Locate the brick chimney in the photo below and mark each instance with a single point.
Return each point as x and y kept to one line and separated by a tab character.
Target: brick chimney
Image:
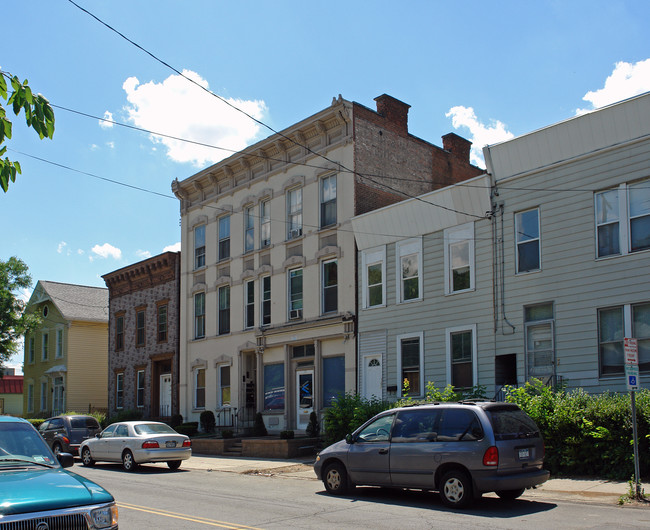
457	145
394	111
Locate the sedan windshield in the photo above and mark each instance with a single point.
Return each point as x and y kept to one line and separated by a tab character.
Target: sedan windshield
19	442
154	428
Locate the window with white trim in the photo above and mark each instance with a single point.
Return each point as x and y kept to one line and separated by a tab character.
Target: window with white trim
224	385
461	356
409	267
199	315
265	223
224	310
539	323
328	201
295	293
294	213
616	323
410	364
528	241
45	346
249	229
249	304
224	238
373	274
199	388
623	219
265	283
43	395
329	279
199	247
59	344
459	258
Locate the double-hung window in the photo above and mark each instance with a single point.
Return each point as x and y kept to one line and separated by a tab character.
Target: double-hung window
616	323
59	344
266	300
459	258
330	286
119	390
199	388
328	201
199	247
43	395
224	237
30	397
373	272
623	219
224	385
249	229
45	346
140	327
540	342
294	213
119	332
162	323
199	315
139	386
409	267
295	293
528	241
410	364
224	310
249	304
31	350
461	356
265	223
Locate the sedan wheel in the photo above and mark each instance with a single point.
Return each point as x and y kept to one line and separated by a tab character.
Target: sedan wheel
456	489
128	463
174	464
86	458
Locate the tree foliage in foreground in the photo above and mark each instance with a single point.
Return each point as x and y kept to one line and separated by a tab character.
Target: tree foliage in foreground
14	321
38	115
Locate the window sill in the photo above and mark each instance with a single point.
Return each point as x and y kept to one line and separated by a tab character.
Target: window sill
410	301
329	228
373	307
526	273
463	291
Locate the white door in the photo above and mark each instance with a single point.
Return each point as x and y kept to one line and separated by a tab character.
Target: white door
304	397
372	375
166	395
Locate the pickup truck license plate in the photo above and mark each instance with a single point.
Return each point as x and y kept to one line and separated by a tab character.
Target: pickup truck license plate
524	454
173	444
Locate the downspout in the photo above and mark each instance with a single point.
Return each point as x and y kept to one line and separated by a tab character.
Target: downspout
503	280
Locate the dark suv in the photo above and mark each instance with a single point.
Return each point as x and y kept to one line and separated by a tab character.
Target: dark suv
459	449
64	434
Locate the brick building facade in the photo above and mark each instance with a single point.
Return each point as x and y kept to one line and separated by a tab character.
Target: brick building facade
144	336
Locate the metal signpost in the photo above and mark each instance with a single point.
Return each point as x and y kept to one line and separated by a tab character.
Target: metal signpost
631	352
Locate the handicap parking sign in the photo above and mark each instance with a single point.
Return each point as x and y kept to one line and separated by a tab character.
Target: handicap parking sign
632	377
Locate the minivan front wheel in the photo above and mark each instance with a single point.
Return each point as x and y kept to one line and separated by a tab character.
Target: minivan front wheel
510	495
456	489
335	479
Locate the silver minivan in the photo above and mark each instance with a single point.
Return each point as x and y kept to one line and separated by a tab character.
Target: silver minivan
461	450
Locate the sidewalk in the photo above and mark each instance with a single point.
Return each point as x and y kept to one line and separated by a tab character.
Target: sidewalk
579	490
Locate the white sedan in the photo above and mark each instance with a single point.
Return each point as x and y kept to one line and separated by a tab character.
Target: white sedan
137	442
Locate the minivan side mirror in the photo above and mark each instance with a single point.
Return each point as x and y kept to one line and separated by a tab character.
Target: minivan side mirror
349	439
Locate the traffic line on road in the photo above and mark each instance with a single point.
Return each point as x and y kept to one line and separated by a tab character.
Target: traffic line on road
193	518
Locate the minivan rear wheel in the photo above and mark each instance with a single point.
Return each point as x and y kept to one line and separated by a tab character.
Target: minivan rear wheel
456	489
335	479
509	495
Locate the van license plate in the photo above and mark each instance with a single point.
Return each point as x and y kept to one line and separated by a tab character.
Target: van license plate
173	444
524	454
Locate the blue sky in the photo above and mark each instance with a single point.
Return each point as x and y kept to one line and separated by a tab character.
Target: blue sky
485	70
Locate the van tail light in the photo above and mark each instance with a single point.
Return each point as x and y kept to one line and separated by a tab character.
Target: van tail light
491	456
65	439
151	444
187	443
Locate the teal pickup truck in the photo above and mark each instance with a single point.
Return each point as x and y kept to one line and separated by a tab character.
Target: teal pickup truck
37	492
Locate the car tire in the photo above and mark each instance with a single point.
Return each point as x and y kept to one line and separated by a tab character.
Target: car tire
510	495
86	458
174	464
456	489
335	479
128	462
56	448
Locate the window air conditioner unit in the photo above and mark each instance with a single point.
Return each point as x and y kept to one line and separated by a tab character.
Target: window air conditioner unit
295	232
295	314
266	242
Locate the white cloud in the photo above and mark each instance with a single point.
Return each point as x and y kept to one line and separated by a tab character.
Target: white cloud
94	147
80	251
143	254
626	80
176	247
105	251
106	124
61	247
480	134
110	145
179	108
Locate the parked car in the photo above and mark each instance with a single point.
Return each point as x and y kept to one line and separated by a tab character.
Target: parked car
37	492
461	450
64	434
137	442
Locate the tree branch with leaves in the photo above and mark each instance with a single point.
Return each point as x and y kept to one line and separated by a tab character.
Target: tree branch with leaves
38	115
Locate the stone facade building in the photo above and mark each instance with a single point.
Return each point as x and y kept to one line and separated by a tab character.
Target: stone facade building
143	336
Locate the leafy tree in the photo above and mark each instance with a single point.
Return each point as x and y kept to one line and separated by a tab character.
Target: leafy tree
38	115
14	321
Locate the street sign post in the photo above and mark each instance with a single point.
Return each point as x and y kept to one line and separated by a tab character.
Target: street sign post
631	353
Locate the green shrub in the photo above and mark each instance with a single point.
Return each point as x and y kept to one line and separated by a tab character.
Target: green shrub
208	422
347	412
313	428
124	415
259	429
175	420
190	428
286	435
227	433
